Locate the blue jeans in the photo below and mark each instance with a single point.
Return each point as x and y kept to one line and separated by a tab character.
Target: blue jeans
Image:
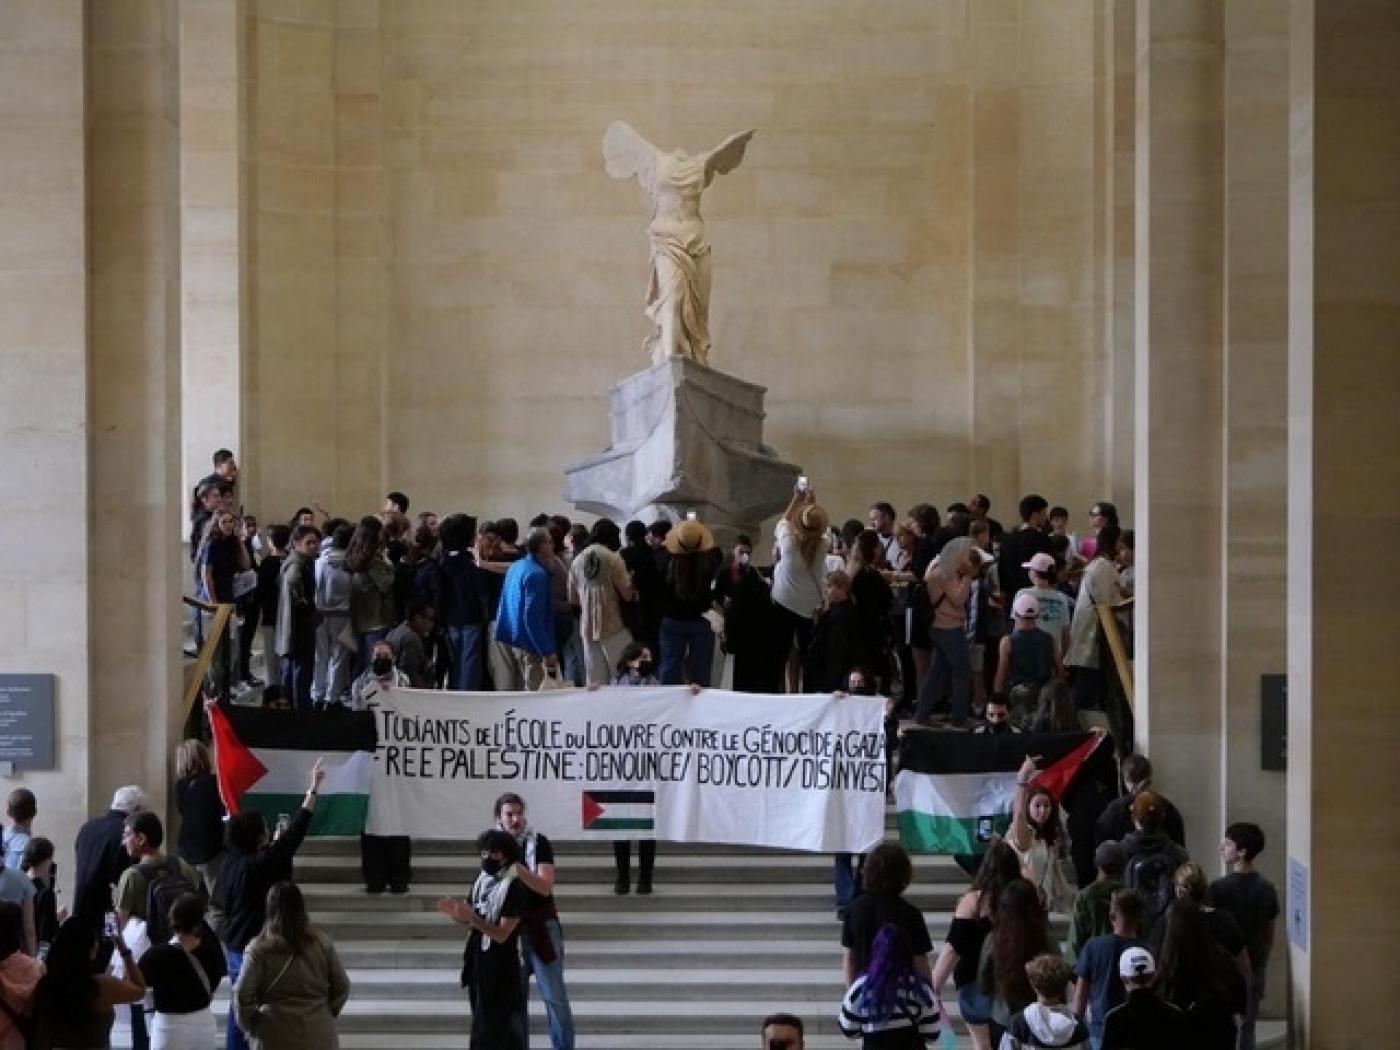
236	1040
688	642
465	670
566	642
951	664
847	878
549	978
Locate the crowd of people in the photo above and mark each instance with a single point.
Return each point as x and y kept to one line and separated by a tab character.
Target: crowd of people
154	931
940	610
961	623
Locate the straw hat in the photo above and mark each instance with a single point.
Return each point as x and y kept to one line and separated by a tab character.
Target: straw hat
689	537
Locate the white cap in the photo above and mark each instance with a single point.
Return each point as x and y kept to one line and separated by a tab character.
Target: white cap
1025	605
1042	563
1136	962
129	799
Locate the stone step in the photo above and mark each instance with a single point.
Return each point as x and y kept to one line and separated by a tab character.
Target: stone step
614	984
709	869
322	896
801	926
410	1018
661	955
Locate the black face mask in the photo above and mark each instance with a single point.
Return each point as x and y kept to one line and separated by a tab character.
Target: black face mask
382	665
491	866
998	727
645	668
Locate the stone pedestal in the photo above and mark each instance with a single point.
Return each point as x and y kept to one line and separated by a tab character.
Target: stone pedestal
685	437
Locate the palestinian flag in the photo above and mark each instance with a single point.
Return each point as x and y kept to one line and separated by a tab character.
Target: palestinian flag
954	791
608	810
265	759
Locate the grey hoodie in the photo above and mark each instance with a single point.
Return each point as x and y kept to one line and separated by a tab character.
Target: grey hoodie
1040	1026
332	583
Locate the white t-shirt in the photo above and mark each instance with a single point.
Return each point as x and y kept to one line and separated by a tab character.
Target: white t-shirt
1099	587
797	585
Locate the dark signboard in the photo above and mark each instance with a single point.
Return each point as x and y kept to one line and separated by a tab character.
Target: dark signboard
26	721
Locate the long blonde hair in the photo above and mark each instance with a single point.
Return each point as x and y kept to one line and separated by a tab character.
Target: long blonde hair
191	757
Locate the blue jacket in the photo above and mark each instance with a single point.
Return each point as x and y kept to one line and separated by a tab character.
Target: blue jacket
525	618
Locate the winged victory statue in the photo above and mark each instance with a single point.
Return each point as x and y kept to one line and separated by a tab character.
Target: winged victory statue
678	295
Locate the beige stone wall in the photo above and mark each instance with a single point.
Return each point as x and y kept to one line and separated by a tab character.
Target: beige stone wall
134	289
443	283
44	383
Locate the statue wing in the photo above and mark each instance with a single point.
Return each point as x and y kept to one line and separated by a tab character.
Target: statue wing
626	153
725	157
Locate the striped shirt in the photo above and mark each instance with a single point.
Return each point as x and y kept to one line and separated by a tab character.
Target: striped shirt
914	1008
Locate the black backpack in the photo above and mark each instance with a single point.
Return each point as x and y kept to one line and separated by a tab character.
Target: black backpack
1152	874
165	884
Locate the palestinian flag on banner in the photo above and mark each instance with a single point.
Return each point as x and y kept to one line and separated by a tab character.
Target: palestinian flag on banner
954	791
609	810
265	759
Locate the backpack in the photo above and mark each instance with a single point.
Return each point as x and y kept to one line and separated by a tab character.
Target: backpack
165	884
1151	874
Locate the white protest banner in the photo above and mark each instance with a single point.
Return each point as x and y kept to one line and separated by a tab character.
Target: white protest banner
797	772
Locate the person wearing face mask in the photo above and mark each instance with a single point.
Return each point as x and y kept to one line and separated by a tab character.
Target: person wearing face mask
542	941
743	594
380	676
846	870
491	970
385	860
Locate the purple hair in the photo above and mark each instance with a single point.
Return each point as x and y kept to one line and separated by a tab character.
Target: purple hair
891	965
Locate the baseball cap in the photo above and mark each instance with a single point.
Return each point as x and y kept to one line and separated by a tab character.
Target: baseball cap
1025	605
1041	562
1136	962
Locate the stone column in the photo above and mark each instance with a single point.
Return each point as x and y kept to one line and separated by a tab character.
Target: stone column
1343	521
1179	404
211	371
1254	512
137	569
44	387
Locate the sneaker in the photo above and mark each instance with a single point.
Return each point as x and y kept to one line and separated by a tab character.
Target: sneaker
644	885
623	885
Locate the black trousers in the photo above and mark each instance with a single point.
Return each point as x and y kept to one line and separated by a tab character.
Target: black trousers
386	860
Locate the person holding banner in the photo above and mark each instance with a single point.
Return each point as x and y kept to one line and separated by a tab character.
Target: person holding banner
542	945
636	667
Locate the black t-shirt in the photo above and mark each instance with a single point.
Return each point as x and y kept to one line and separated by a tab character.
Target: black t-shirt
1253	902
201	818
174	984
544	854
1016	549
1145	1022
223	565
496	973
966	937
269	587
869	912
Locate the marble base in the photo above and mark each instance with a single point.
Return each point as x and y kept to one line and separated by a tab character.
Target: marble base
685	437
